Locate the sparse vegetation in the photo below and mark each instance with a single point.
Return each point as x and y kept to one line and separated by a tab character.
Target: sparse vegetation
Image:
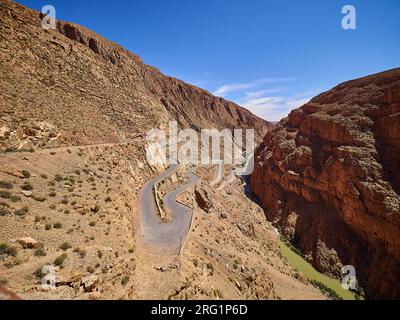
5	194
3	282
48	226
326	290
44	176
26	174
80	252
90	269
6	184
125	280
39	198
15	198
8	250
58	177
92	223
22	211
211	267
65	246
27	186
90	179
39	273
60	260
52	194
57	225
4	211
40	251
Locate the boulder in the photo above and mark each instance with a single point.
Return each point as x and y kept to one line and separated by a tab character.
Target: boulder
203	199
27	243
89	283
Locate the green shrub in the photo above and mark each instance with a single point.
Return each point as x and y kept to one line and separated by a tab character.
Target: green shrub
218	293
39	273
44	176
81	252
6	249
125	280
5	194
64	201
22	211
26	174
57	225
210	266
332	294
6	184
4	211
27	186
58	177
90	269
40	251
60	260
15	198
92	223
65	246
48	226
39	198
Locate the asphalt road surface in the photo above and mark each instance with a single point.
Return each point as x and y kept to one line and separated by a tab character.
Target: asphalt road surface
167	237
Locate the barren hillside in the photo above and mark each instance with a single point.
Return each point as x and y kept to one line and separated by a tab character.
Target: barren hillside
70	86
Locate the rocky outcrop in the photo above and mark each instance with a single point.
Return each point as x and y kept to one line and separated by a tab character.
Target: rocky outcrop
6	294
27	243
203	199
328	177
91	89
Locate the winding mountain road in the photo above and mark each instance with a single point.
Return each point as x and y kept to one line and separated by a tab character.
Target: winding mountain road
168	237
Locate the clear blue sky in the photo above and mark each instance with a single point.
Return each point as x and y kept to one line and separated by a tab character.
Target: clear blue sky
268	55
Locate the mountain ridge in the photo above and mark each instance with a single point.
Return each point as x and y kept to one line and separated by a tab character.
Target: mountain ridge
118	92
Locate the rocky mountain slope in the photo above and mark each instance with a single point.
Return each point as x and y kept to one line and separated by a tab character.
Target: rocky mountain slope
329	178
75	106
70	86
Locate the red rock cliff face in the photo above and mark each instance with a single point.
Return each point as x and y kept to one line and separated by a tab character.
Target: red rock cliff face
329	178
